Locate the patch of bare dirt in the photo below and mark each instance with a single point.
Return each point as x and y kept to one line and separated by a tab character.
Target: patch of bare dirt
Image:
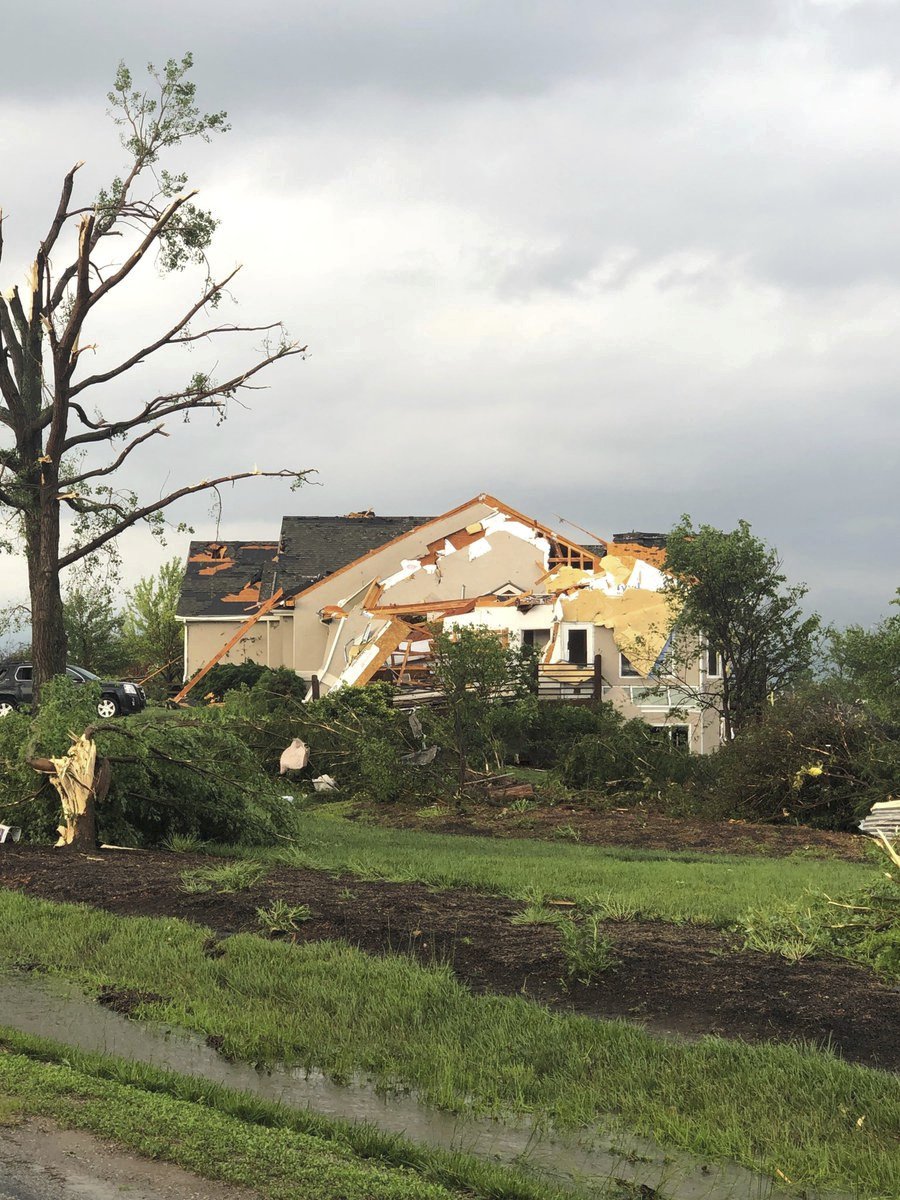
126	1000
637	827
673	978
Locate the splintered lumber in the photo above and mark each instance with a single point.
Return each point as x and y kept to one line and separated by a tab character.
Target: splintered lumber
233	641
521	791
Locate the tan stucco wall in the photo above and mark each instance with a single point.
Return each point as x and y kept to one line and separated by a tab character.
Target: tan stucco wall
311	636
263	643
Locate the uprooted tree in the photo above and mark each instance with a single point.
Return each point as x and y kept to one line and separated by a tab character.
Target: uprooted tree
57	454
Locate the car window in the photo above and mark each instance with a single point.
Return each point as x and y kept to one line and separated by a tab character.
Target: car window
86	674
73	674
24	674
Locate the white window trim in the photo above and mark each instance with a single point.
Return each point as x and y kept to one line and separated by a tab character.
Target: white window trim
672	725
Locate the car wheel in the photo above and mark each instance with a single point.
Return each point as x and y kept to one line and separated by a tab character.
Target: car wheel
107	707
7	706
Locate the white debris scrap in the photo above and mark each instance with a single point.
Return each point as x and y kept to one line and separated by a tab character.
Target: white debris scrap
295	757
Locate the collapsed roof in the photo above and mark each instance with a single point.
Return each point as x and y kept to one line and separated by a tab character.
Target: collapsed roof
227	579
498	567
467	574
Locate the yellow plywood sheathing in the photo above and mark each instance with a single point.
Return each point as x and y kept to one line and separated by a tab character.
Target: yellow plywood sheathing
640	621
565	578
619	568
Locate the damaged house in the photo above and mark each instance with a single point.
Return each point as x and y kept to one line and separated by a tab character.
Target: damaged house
347	600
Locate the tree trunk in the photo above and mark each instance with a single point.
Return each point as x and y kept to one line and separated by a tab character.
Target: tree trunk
48	632
85	839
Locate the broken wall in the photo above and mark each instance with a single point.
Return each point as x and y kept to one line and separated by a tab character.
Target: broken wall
311	637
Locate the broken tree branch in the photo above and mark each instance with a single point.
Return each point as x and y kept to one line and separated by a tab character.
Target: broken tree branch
139	514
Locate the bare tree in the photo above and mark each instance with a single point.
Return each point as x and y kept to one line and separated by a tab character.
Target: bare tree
55	453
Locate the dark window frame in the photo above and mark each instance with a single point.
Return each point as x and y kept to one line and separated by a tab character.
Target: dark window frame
626	669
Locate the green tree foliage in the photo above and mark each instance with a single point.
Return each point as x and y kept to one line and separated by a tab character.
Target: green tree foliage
226	676
811	758
64	436
355	735
866	665
729	592
93	626
621	757
153	636
174	773
477	674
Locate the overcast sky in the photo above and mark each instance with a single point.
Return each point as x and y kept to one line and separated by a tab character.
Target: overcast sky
612	260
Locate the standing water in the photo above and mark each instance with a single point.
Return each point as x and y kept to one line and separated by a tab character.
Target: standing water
31	1005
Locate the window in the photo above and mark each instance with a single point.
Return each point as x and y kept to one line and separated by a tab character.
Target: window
577	646
650	697
679	736
538	638
713	663
23	675
626	670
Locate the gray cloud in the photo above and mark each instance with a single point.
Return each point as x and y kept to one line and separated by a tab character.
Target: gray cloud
432	49
612	261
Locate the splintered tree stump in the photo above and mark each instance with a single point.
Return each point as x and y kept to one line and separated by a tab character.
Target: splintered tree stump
81	780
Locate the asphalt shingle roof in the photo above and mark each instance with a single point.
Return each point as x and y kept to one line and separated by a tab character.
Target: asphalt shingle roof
313	547
225	579
228	579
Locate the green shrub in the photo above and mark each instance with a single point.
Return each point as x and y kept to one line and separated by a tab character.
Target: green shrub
811	758
594	748
553	729
621	756
225	677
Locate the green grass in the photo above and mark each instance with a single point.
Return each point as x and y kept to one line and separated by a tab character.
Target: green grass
327	1005
224	1135
281	917
694	887
232	877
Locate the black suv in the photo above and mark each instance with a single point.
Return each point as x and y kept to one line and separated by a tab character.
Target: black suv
115	698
